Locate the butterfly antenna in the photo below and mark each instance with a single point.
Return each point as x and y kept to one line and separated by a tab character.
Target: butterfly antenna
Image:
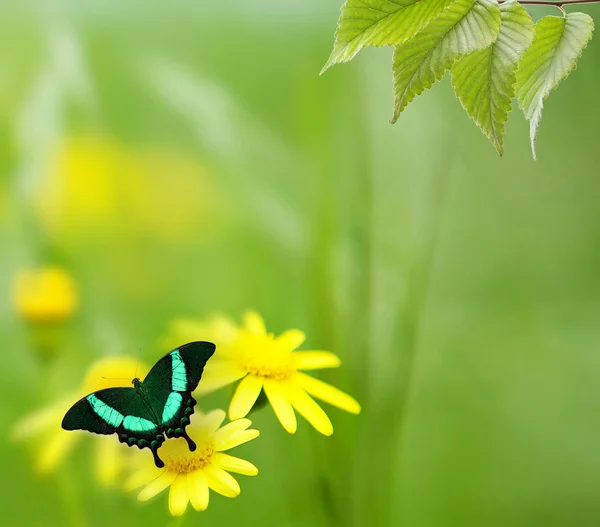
137	365
115	378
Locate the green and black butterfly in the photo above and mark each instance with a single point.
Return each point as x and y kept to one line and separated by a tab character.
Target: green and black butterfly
158	406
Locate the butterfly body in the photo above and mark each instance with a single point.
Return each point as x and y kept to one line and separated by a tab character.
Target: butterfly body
156	408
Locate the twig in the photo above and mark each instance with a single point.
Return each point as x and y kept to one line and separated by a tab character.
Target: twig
554	4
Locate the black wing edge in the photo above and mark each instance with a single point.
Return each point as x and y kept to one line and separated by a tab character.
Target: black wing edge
196	355
81	416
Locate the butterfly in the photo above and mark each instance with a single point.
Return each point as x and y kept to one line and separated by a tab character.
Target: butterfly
160	405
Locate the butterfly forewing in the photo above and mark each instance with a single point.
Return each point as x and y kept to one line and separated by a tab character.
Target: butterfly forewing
101	412
169	385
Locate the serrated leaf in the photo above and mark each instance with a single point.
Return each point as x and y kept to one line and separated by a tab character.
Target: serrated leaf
557	45
365	23
463	27
484	81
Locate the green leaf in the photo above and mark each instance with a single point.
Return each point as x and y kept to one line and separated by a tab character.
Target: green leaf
484	81
557	45
380	23
463	27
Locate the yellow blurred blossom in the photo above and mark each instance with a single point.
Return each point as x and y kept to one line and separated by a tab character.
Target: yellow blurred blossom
190	475
263	362
44	295
82	192
93	182
43	427
172	196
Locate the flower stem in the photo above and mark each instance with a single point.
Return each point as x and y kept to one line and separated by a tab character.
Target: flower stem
419	278
180	521
69	493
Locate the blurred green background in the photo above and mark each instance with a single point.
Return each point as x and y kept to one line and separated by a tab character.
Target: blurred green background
186	158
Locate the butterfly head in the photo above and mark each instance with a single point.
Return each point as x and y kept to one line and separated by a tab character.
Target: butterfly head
136	383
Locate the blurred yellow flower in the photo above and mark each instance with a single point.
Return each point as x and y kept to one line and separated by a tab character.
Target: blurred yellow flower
44	295
190	474
53	443
172	196
265	362
82	191
93	182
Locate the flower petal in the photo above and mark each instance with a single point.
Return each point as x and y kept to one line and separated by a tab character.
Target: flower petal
225	329
245	396
326	392
291	339
309	409
218	329
158	485
178	495
234	434
198	490
234	427
316	360
234	464
221	481
40	421
254	324
55	449
108	459
141	477
110	372
276	394
210	422
217	375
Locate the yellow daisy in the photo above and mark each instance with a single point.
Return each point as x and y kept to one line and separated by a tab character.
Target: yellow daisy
261	361
54	443
190	474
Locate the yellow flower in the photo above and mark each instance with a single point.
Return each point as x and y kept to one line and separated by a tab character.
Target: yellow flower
191	474
54	443
92	181
186	203
44	295
265	362
81	192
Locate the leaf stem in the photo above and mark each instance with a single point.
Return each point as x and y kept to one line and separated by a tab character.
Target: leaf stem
554	4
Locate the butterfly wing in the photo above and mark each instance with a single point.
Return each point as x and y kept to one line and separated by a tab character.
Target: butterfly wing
170	383
119	411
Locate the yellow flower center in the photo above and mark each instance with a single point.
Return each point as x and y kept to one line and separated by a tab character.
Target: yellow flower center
264	356
201	458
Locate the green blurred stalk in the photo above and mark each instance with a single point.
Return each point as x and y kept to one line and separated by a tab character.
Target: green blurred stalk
342	466
361	324
71	498
409	325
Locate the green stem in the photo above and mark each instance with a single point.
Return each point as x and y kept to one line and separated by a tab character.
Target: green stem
414	307
360	326
408	339
70	497
180	521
